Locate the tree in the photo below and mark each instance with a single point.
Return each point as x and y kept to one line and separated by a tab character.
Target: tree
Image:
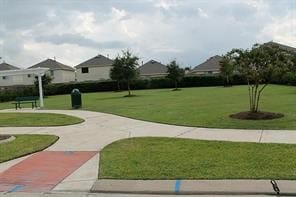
125	68
227	68
116	72
175	73
259	65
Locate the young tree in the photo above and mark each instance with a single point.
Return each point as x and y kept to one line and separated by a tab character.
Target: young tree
227	69
126	68
116	72
175	73
259	65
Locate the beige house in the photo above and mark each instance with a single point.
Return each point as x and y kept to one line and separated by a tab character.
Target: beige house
96	68
153	69
210	67
59	72
6	81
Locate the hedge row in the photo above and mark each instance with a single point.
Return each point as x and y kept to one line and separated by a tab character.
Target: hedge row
55	89
11	93
99	86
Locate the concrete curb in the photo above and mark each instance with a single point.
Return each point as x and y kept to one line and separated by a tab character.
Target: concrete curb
11	138
197	187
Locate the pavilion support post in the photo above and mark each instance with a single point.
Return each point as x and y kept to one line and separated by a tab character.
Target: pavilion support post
40	91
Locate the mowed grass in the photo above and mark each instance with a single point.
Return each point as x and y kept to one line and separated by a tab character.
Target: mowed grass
171	158
24	145
200	107
36	119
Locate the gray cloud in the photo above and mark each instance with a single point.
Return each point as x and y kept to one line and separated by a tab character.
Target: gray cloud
80	41
190	30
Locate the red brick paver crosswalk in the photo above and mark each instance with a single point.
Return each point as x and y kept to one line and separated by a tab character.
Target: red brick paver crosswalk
42	171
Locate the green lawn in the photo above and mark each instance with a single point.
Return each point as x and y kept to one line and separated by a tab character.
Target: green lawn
171	158
36	119
201	107
24	145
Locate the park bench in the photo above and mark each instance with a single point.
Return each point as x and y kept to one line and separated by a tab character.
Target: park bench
26	99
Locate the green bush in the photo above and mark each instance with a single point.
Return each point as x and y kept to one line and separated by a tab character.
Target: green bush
11	93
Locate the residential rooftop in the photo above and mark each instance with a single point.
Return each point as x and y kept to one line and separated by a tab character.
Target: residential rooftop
5	66
153	67
211	64
96	61
286	47
52	65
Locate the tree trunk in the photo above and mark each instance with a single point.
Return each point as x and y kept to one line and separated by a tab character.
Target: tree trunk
176	85
254	96
250	96
128	88
258	97
252	99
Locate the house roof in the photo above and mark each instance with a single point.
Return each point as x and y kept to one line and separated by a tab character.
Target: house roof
286	47
96	61
5	66
152	67
52	65
211	64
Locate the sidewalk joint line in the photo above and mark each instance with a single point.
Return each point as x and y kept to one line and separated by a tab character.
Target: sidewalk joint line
261	136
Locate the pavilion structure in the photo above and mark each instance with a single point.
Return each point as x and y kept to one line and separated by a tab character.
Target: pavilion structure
39	72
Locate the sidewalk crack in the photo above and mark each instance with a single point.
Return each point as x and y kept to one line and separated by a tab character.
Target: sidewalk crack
185	132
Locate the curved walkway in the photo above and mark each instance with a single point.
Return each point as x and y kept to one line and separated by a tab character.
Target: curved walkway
100	129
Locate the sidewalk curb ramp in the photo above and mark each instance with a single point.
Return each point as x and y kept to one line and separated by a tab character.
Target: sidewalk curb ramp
201	187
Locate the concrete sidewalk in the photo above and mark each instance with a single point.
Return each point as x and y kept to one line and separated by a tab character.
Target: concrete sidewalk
100	129
199	187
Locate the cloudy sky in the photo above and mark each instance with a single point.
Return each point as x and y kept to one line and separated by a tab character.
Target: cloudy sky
189	31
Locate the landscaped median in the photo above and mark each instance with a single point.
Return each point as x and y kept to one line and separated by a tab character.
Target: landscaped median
36	119
25	144
155	158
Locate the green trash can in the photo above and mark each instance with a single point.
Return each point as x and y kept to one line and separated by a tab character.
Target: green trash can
76	99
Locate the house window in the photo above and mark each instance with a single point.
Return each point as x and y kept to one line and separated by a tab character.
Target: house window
210	72
4	77
29	76
84	70
51	73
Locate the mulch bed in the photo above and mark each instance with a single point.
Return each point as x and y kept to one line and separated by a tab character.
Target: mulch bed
247	115
4	137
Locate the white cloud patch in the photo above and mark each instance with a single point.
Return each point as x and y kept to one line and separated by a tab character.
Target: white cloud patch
281	30
165	4
117	14
202	13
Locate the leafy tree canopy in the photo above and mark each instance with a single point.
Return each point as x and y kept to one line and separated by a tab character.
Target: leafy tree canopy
259	65
175	73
